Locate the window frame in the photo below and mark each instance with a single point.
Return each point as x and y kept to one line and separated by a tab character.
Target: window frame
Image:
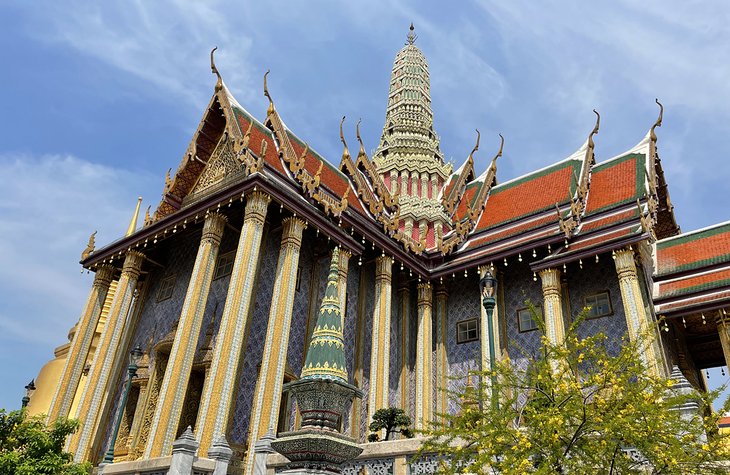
168	278
608	299
458	333
519	320
225	255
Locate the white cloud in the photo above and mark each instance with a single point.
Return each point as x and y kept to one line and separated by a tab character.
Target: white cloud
49	206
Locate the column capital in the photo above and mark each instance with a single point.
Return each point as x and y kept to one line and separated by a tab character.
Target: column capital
343	261
425	292
442	291
133	264
625	263
550	281
104	275
257	203
213	228
292	231
383	267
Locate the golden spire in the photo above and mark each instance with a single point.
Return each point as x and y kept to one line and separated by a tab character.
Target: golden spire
133	223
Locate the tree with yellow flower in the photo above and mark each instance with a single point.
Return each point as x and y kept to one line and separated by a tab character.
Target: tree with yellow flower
579	409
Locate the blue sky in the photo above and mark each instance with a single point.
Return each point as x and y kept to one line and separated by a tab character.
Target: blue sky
99	99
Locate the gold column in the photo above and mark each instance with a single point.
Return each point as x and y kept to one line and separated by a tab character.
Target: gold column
219	390
404	298
442	362
177	375
553	307
637	319
267	398
380	354
342	266
80	345
424	395
97	383
484	327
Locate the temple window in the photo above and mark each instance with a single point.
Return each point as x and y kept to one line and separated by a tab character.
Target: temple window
167	285
525	320
600	305
225	265
467	330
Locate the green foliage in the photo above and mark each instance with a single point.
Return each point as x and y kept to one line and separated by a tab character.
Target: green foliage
29	447
393	420
573	410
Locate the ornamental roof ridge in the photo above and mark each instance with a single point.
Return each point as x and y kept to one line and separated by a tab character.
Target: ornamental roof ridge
711	227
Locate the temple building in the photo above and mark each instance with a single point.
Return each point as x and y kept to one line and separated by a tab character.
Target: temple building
222	284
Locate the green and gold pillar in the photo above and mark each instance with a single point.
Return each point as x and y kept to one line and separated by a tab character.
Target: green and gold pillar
442	361
177	375
219	391
424	394
105	359
267	397
553	307
380	354
81	344
637	319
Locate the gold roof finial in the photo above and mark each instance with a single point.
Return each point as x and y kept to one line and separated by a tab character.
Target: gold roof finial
219	83
357	131
595	130
476	147
268	96
345	152
658	122
89	247
501	147
412	37
133	223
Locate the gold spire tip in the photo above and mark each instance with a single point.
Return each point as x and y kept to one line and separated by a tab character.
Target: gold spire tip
133	223
411	35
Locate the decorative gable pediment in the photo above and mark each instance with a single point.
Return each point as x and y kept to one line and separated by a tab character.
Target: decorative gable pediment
223	163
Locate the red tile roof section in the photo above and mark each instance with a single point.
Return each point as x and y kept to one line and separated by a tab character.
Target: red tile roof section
694	301
259	134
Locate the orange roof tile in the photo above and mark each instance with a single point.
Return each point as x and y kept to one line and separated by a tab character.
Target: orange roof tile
529	195
694	250
695	283
615	182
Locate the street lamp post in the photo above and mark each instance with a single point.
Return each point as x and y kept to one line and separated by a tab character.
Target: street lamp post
29	388
488	287
134	357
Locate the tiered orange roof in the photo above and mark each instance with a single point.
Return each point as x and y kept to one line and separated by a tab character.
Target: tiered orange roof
693	269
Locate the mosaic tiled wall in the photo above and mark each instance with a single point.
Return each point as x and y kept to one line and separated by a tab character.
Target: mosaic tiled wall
395	350
462	304
369	302
593	278
518	287
351	316
256	338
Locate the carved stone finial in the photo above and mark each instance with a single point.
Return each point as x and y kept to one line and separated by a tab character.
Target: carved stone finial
595	129
266	87
501	147
214	70
476	147
89	247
